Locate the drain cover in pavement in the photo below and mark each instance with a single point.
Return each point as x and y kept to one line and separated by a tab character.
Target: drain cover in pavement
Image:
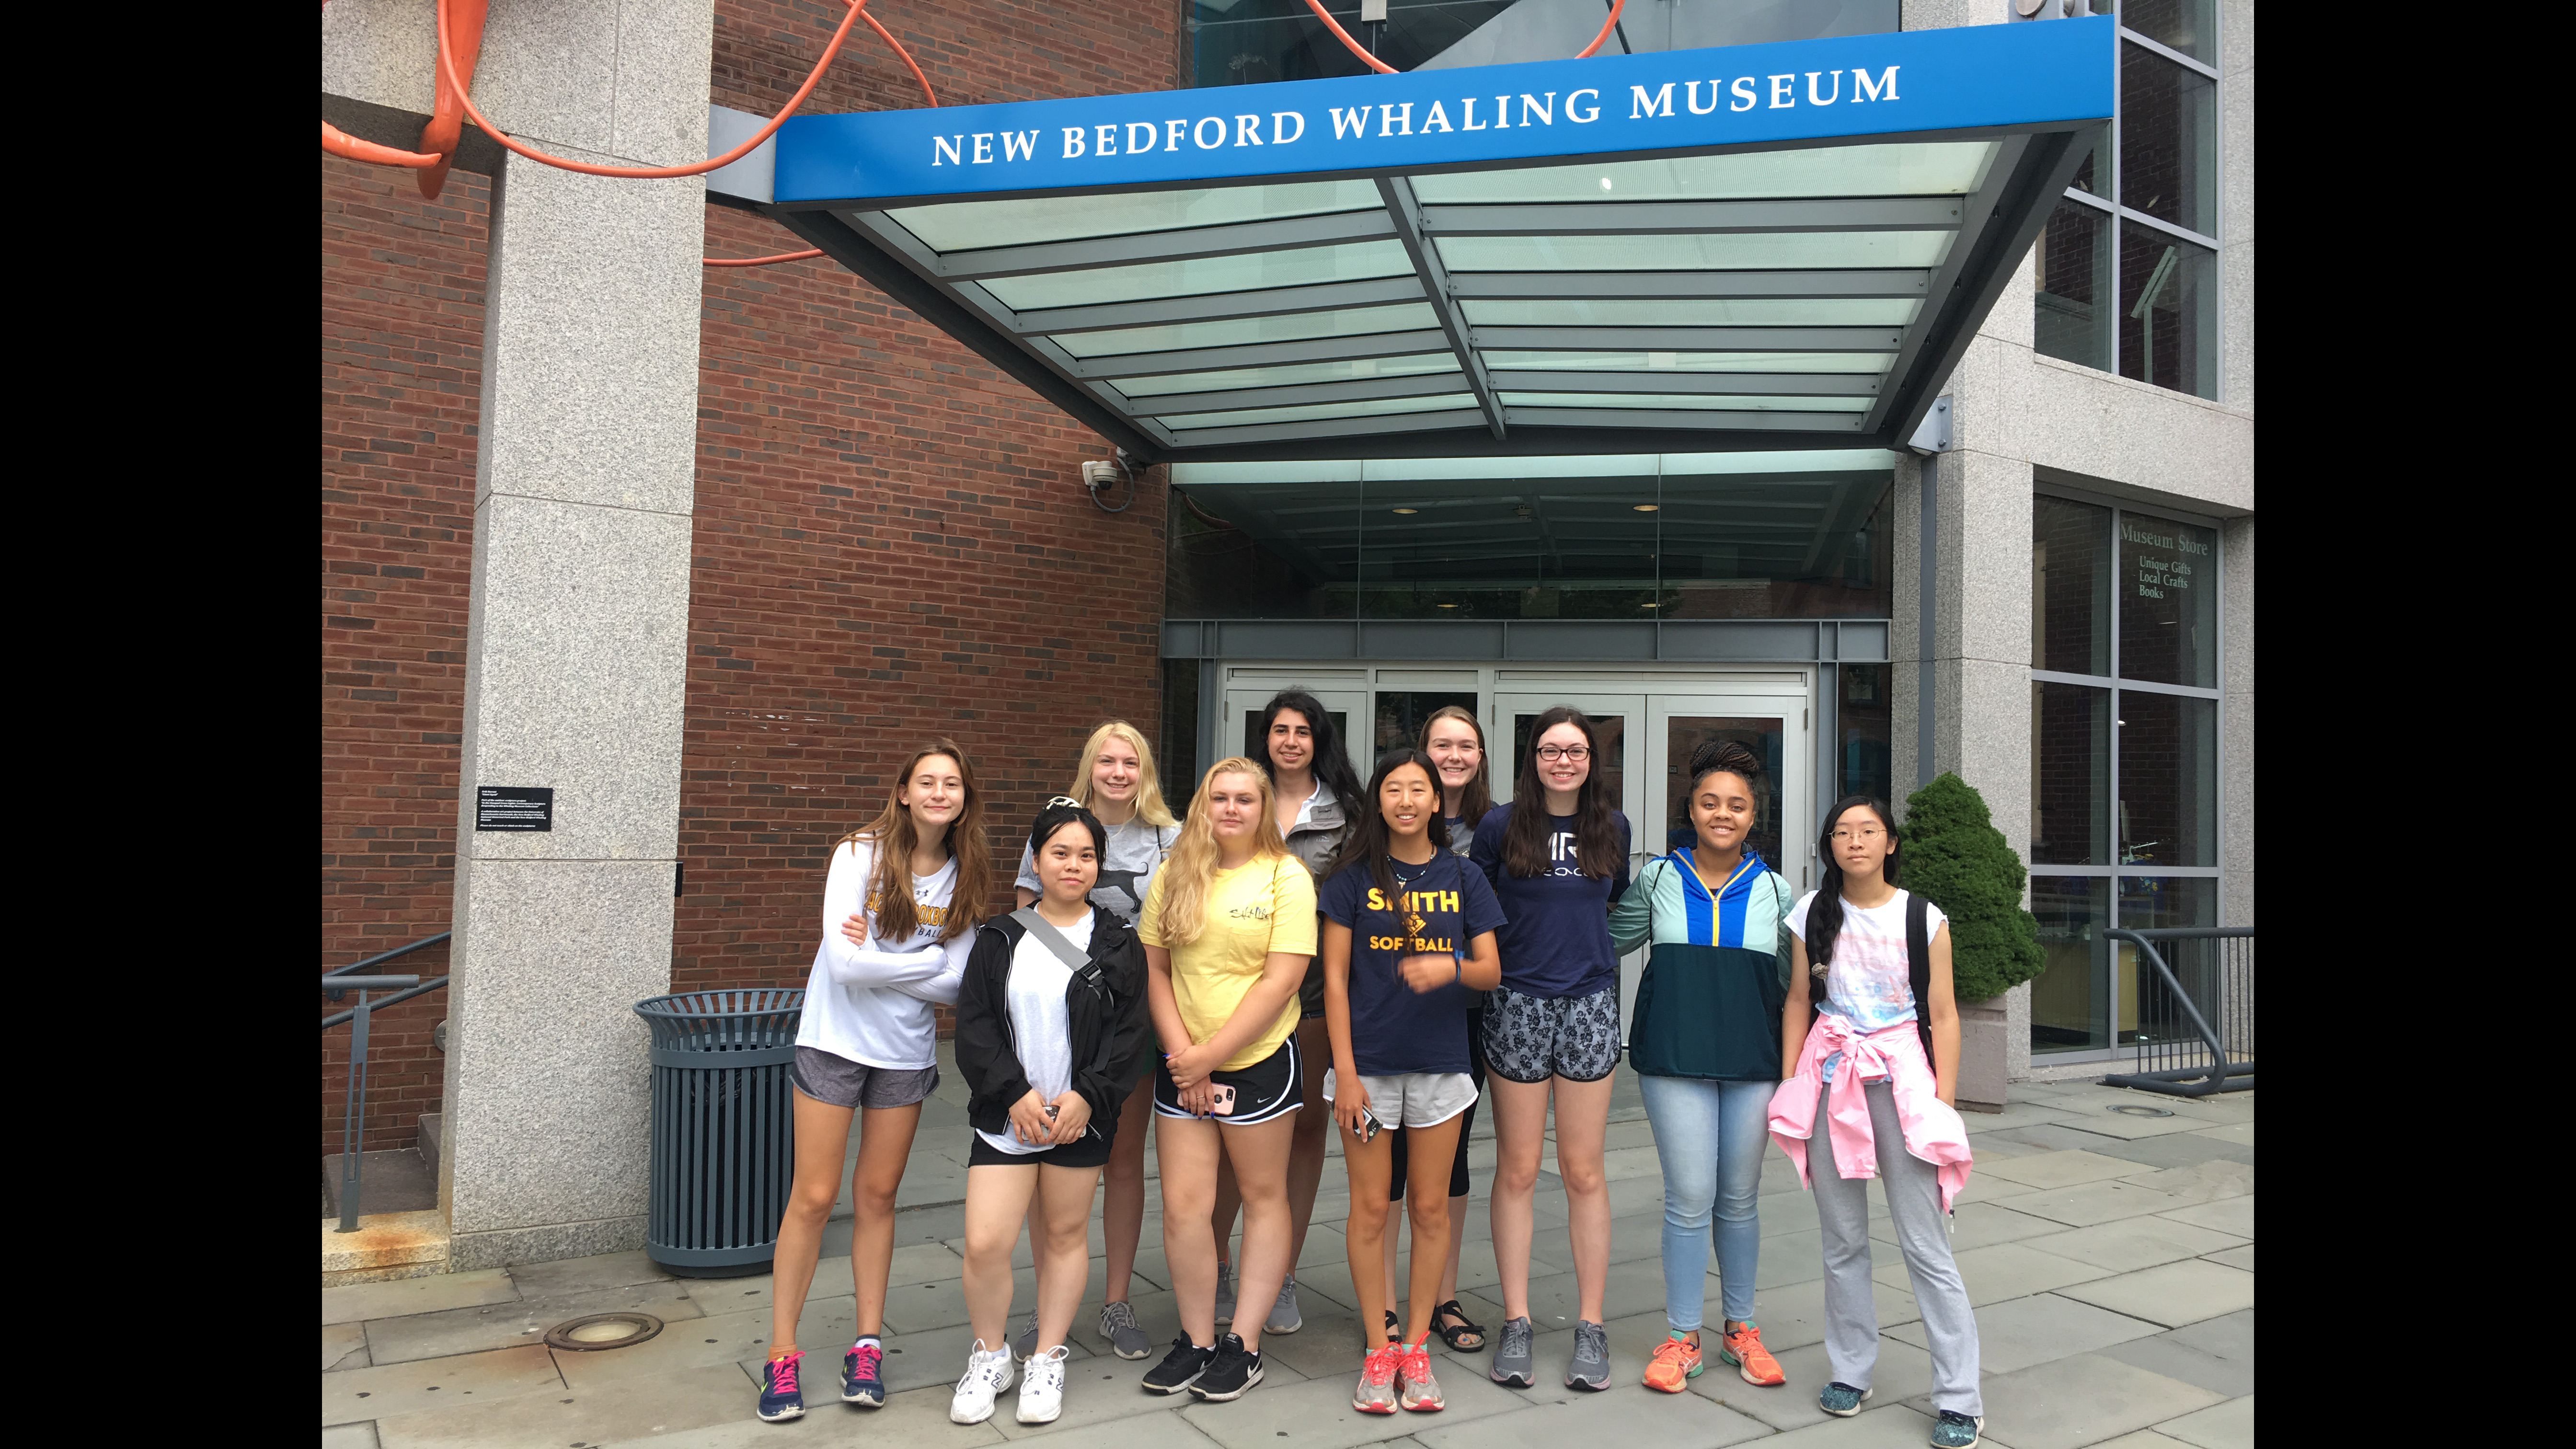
2136	1111
603	1330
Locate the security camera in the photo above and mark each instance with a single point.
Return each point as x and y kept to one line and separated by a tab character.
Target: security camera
1098	474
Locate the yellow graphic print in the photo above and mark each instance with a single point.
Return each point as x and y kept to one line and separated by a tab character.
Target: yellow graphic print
1413	904
930	917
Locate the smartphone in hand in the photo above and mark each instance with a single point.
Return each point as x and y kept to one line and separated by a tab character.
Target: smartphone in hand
1224	1101
1369	1125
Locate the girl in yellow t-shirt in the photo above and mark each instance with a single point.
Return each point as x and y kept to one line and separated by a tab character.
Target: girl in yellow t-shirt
1229	926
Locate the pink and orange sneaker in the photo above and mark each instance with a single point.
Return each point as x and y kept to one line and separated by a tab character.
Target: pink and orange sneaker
1376	1393
1742	1347
1676	1362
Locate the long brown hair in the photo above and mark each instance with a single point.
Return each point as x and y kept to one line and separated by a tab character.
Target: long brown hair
892	836
1191	867
1477	795
1596	835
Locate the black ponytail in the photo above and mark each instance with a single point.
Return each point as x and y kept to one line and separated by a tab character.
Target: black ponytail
1825	912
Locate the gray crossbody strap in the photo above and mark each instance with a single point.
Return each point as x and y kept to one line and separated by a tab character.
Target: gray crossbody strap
1053	939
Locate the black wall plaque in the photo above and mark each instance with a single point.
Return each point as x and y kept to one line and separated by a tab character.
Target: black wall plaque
514	807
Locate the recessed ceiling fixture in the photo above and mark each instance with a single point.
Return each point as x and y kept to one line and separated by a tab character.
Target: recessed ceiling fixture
1408	510
1644	507
1444	606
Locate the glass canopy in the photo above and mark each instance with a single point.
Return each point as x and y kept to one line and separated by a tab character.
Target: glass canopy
1761	295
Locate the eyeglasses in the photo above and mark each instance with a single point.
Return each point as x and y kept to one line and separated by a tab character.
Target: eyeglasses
1554	753
1062	800
1866	832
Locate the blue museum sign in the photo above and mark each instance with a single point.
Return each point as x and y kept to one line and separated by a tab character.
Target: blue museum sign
1963	81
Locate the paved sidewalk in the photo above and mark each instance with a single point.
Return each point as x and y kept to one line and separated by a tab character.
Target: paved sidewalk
2110	1257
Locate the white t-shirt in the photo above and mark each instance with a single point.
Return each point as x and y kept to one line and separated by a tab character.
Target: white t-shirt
1136	851
1868	983
1041	1028
873	1005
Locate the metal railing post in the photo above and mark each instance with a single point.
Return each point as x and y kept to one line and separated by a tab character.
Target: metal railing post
2172	1079
356	1106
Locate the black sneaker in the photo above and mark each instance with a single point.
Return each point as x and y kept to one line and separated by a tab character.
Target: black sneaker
1230	1375
1180	1368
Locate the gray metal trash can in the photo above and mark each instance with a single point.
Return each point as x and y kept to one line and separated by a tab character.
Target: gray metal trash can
724	1128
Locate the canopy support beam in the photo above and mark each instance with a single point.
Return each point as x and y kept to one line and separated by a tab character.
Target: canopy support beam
1406	211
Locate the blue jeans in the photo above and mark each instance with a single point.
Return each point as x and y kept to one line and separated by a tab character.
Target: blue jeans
1710	1137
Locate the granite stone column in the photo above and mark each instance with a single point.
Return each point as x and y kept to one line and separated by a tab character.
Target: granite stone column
577	631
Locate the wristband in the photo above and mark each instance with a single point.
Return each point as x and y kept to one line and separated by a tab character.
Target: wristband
1457	971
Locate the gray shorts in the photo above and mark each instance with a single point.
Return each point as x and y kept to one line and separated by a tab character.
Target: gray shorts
840	1082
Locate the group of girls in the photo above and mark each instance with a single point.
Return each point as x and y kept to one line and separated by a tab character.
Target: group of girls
1300	949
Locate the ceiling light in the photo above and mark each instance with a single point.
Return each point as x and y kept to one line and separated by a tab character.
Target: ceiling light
1605	183
1644	507
1408	510
1444	606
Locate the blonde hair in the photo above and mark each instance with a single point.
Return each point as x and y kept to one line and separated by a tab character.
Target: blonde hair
892	836
1149	786
1191	867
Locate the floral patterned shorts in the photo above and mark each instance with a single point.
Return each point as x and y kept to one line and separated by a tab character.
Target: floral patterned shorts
1533	1038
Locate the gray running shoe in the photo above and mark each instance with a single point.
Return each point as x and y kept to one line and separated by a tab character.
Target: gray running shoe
1126	1336
1591	1366
1224	1292
1283	1314
1024	1344
1512	1355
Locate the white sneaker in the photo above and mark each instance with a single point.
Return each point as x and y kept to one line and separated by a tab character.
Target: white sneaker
988	1372
1042	1391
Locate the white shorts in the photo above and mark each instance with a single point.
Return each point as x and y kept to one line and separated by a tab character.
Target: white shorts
1415	1099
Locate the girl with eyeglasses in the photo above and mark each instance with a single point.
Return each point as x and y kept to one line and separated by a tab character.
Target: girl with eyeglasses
1229	926
1557	857
1869	1090
1408	936
900	904
1705	1042
1049	1026
1115	779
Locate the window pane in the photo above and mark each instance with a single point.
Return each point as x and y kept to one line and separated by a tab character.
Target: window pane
1263	551
2168	779
2067	1001
2070	587
1718	251
1794	546
2168	140
1691	312
1684	734
1318	412
964	225
2190	26
2092	176
1867	762
1514	548
2070	774
1236	331
1508	359
1687	402
1246	42
2168	311
1176	759
1290	374
1936	168
2168	602
1201	276
2150	1006
1401	715
2071	272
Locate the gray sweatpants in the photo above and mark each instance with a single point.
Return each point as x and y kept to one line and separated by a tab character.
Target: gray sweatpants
1914	1204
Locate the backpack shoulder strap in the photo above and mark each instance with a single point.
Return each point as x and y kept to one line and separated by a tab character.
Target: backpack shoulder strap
1918	964
1053	939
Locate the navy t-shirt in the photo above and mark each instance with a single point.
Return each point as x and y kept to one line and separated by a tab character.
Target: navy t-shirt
1444	905
1556	941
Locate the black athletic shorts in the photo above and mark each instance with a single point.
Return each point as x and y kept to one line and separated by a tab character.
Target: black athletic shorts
1270	1088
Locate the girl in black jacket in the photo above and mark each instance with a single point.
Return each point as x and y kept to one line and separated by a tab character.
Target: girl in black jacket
1050	1016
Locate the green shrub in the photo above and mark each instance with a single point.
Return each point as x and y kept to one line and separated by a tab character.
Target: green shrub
1956	859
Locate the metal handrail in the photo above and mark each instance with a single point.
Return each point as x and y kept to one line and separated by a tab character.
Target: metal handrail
356	967
2178	1081
356	1107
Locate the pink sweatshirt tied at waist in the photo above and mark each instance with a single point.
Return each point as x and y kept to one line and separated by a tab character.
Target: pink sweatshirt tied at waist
1932	1128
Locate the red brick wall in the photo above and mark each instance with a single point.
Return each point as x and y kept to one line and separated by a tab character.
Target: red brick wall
402	352
885	525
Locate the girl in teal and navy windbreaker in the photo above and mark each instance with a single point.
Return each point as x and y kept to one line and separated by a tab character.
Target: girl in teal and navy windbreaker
1705	1042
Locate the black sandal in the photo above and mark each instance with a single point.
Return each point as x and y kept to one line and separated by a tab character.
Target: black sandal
1464	1328
1394	1330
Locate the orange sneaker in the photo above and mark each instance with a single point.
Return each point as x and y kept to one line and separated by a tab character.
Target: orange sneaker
1676	1362
1743	1348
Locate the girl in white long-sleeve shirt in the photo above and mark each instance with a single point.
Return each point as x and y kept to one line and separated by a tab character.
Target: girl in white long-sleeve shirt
900	907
